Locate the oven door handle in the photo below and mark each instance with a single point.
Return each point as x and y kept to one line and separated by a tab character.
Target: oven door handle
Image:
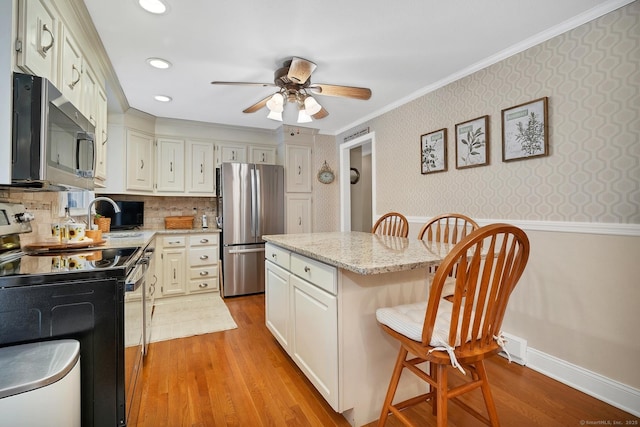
136	277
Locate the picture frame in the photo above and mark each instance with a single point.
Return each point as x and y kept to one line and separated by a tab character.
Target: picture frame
525	130
472	143
433	151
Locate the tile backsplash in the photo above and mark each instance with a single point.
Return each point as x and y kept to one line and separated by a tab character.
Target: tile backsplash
45	206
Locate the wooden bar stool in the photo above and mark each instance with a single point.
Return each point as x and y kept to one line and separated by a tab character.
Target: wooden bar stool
462	332
391	224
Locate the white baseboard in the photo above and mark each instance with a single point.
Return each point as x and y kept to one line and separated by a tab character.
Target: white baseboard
602	388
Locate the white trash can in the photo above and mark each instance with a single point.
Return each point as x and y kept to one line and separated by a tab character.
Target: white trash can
40	384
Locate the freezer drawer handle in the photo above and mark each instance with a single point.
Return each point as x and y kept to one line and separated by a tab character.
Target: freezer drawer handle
245	251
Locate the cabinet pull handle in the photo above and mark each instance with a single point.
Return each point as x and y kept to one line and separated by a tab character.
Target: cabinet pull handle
203	285
204	240
104	137
75	82
263	159
299	170
204	273
204	256
174	274
306	269
299	220
201	168
45	29
141	164
170	166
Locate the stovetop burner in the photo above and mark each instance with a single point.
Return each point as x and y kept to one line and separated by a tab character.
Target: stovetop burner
68	261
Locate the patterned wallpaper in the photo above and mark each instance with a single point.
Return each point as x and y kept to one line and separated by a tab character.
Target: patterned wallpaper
591	75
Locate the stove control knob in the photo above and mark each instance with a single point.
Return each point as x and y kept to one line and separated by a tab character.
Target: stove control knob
25	217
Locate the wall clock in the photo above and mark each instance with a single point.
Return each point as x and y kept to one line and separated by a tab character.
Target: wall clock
325	174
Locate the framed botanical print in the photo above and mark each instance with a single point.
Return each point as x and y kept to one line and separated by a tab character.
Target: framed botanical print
525	131
472	143
433	151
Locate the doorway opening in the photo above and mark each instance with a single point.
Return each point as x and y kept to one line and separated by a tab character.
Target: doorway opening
357	183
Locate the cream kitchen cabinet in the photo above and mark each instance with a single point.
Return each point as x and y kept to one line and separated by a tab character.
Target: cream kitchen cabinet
101	134
298	213
189	264
201	170
231	153
70	68
262	155
278	294
140	155
173	266
90	85
37	44
302	313
298	169
203	263
170	165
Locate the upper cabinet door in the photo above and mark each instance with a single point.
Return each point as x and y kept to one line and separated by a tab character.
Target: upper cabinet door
38	38
298	169
139	161
170	165
262	155
200	166
71	69
101	134
232	153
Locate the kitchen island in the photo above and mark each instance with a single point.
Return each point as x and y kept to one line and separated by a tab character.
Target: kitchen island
322	291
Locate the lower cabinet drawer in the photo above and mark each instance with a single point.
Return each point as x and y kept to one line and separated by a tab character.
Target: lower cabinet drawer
203	273
204	285
203	256
322	275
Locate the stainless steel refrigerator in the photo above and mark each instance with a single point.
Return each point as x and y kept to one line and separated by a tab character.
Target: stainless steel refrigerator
252	199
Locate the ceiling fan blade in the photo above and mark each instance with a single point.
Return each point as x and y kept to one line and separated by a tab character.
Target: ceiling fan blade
346	91
258	105
320	114
300	70
243	84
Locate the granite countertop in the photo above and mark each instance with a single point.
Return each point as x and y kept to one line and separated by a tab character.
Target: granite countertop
363	253
122	239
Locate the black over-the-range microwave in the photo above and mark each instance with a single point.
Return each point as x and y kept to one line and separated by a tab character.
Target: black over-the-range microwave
53	142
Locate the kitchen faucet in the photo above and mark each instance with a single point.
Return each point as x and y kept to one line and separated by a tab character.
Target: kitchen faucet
116	209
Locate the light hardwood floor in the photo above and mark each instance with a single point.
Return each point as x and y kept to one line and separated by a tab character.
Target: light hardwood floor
242	377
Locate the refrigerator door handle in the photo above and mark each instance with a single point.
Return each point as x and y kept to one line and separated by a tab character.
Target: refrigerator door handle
258	196
254	208
245	251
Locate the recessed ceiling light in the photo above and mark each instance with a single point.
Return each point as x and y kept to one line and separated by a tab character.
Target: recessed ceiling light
163	98
153	6
159	63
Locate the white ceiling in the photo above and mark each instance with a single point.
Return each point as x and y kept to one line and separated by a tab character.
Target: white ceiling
400	49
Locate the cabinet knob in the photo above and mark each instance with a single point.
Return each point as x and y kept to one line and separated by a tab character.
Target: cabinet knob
203	285
204	273
274	256
204	256
306	269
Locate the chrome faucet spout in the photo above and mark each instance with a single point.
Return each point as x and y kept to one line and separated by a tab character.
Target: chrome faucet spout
97	199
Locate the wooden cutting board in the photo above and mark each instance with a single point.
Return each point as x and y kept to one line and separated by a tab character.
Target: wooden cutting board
51	246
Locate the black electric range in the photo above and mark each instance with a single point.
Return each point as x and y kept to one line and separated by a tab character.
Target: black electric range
77	294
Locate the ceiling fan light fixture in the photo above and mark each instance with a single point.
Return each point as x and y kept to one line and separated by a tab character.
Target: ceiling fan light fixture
311	106
303	117
276	103
153	6
275	115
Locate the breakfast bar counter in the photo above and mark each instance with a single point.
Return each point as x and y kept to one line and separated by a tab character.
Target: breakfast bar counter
322	292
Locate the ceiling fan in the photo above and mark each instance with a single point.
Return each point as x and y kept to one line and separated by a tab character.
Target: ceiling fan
294	82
